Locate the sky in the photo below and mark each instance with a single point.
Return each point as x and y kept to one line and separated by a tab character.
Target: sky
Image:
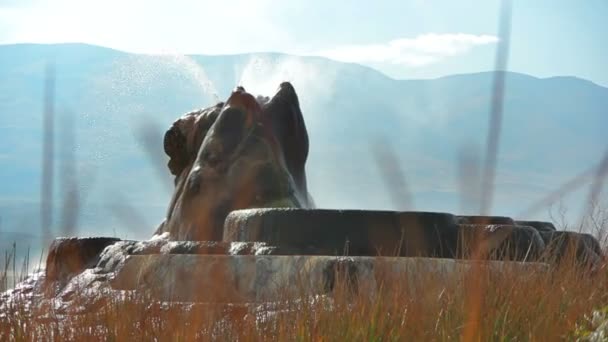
405	39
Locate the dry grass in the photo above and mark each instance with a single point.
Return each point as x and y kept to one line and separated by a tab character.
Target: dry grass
477	306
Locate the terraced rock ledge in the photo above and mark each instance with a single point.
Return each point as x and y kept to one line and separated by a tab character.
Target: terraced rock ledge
269	253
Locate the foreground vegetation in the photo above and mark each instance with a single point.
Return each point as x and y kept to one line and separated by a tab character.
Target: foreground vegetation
564	301
550	304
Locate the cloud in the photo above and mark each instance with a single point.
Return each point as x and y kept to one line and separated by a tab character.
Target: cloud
420	51
192	26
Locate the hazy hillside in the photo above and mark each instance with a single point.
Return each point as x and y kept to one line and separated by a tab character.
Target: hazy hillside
553	129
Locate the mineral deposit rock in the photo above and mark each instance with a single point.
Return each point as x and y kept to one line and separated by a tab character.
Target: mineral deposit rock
68	257
500	242
347	232
244	153
486	220
541	226
567	245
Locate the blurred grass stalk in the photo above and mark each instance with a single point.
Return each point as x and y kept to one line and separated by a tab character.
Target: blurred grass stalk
477	291
48	156
68	173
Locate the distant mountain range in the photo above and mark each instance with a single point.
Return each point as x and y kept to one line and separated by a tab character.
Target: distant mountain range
121	103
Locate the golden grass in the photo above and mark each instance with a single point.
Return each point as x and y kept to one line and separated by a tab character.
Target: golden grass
478	306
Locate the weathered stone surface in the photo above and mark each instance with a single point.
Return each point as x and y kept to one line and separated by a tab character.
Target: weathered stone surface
214	248
240	154
562	245
70	256
347	232
486	220
215	278
541	226
500	242
88	280
428	234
